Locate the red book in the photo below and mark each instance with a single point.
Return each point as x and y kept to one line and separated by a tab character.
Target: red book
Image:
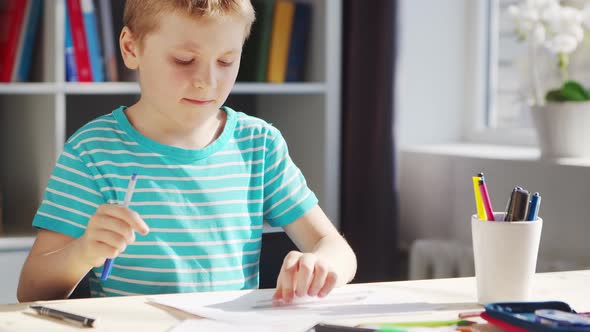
12	23
80	44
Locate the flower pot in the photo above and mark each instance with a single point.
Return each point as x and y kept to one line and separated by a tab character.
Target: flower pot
563	129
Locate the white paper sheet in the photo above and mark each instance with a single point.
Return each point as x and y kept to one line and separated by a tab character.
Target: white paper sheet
255	307
192	325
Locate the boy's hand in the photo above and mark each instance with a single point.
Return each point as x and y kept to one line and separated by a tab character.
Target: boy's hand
108	233
304	273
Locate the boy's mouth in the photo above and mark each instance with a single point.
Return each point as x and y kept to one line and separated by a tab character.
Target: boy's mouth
198	101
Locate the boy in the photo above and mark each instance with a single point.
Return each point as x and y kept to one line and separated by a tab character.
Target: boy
207	177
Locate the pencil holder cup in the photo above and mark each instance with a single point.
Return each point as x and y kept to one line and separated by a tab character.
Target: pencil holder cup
505	257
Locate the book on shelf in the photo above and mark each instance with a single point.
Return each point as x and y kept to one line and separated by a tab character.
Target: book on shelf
278	45
12	16
98	37
255	52
24	57
282	25
296	57
94	49
79	38
70	59
109	56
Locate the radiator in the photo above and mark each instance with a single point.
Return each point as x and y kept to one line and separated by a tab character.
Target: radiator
432	259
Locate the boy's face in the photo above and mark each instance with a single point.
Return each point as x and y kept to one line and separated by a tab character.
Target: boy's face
189	65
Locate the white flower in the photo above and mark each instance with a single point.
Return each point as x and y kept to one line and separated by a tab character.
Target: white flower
558	28
539	34
563	43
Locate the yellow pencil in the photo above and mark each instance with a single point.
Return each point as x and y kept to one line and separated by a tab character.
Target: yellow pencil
481	212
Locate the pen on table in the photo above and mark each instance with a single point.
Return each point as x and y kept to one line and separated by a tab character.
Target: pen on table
108	263
485	196
481	213
342	328
517	205
534	204
54	313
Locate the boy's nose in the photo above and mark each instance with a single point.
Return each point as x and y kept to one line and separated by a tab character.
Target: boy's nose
204	78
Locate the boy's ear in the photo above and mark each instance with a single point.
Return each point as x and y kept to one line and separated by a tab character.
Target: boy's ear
129	48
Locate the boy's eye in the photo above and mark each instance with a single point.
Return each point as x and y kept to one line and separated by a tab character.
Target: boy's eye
226	63
183	62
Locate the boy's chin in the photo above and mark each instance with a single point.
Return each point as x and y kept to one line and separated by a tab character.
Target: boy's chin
209	107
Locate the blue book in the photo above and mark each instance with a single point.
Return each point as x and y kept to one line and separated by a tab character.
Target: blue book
91	29
298	47
31	27
71	72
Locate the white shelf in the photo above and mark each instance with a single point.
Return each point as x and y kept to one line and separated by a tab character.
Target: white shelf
286	88
16	243
133	88
28	88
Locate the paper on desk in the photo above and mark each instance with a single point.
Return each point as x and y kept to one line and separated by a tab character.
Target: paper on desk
256	306
192	325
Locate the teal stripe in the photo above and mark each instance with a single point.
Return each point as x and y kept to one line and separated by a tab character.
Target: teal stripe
66	189
185	276
187	197
154	236
173	263
238	206
157	289
49	223
193	250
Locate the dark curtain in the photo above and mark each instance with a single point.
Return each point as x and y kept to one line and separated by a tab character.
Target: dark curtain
369	214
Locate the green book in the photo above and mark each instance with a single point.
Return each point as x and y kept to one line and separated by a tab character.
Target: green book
255	54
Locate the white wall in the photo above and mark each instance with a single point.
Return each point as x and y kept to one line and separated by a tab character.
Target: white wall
434	100
430	70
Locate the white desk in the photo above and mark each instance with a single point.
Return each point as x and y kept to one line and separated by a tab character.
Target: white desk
454	295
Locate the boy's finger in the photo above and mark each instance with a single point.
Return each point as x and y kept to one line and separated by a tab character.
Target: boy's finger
112	239
331	279
118	226
304	273
320	274
127	215
288	275
278	294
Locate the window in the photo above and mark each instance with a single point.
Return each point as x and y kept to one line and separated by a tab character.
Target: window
502	78
509	83
496	80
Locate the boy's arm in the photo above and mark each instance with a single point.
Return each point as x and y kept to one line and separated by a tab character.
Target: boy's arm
326	260
58	262
53	269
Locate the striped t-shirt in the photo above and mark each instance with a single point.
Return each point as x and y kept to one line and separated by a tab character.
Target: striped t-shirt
205	208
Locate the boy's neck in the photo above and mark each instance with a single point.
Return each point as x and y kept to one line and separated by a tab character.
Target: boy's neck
202	130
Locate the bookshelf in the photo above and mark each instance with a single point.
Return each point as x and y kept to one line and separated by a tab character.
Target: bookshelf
37	117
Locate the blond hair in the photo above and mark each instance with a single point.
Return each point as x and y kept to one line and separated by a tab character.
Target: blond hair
141	16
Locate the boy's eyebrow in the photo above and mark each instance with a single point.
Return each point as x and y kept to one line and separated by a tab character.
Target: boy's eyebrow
195	47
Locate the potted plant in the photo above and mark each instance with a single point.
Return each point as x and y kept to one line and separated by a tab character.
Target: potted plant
561	113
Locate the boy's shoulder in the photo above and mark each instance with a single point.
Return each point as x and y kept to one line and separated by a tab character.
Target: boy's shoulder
104	126
252	125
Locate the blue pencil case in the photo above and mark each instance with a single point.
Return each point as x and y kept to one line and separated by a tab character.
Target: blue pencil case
519	316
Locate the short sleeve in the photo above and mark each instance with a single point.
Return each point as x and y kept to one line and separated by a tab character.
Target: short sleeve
71	197
286	194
